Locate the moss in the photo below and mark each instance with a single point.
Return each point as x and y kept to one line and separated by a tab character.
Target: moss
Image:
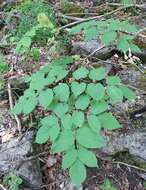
125	157
3	65
68	8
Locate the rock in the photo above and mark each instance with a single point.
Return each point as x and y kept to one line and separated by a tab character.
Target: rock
133	141
86	48
12	159
69	8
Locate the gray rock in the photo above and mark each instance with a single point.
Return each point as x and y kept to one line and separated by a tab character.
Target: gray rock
12	159
86	48
134	141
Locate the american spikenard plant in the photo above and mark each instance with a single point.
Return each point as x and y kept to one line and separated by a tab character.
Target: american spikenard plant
77	102
110	31
44	23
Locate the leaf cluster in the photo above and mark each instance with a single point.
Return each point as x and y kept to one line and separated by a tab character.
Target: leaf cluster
109	31
78	104
44	25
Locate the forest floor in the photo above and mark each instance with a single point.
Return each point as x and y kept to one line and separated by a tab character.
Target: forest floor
122	169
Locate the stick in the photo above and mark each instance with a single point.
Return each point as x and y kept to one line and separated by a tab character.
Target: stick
11	107
72	18
98	49
128	165
93	18
2	187
132	5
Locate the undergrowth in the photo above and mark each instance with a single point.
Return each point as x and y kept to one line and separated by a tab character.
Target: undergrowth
75	96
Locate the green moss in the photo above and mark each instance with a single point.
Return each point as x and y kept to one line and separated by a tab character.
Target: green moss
68	8
30	10
125	157
3	65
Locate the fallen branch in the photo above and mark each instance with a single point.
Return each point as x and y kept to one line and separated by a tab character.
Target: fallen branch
130	166
11	107
2	187
93	18
95	51
142	6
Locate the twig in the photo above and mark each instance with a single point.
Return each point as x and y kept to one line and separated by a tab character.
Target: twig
11	107
93	18
72	18
98	49
129	165
132	5
2	187
134	88
70	14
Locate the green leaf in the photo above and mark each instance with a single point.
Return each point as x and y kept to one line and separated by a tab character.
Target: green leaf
99	107
113	80
89	139
97	74
54	132
123	44
62	92
29	105
61	75
82	102
128	93
42	135
64	142
108	37
90	33
67	121
69	158
78	88
125	2
87	157
49	79
78	118
77	172
80	73
115	94
94	123
135	48
96	91
108	121
23	44
63	61
50	120
60	109
38	84
45	98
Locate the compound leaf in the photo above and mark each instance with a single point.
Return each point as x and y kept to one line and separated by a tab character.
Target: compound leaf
113	80
67	121
82	102
87	157
45	98
77	172
99	107
69	158
97	74
115	94
89	139
80	73
128	93
96	91
42	135
62	92
78	88
108	121
94	123
78	118
64	142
